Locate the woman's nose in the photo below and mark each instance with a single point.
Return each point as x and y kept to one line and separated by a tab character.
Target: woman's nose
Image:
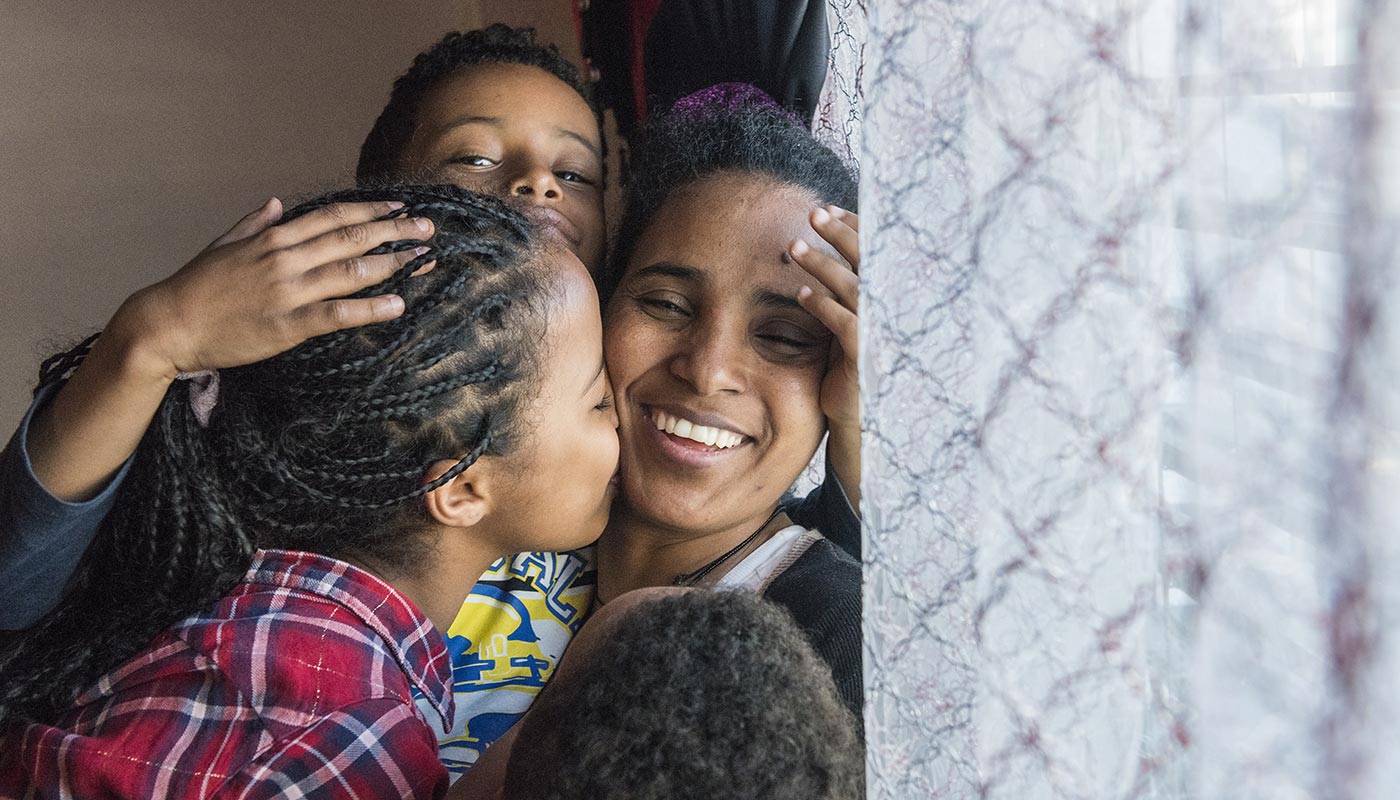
713	361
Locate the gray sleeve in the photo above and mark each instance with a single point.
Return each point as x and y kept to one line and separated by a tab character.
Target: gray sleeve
42	538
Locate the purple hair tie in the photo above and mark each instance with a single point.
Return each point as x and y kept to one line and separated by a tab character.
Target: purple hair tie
730	97
204	393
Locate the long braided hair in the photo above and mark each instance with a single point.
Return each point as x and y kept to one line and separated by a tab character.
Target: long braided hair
322	448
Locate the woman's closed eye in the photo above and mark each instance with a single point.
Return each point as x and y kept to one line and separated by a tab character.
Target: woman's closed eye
664	305
792	342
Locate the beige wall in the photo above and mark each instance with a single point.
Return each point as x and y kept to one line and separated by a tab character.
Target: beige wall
133	133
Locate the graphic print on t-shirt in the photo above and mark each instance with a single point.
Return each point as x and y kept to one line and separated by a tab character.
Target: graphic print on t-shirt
506	642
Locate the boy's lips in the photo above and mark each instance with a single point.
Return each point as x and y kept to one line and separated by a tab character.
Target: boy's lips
555	220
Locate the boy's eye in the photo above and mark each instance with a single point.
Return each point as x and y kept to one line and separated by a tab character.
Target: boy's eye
473	161
574	177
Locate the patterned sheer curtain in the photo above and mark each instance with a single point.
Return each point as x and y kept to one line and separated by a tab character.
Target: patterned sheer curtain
1129	358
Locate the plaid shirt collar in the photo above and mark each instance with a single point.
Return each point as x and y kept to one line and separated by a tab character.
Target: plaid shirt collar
410	636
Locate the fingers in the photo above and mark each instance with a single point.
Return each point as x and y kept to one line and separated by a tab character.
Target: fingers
354	240
841	229
839	319
253	224
332	217
835	276
851	218
347	276
325	317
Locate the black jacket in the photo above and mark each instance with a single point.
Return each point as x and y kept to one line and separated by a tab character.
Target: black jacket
822	592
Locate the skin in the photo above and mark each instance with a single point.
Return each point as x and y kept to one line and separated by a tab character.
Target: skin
511	130
518	132
701	342
255	292
718	335
259	290
569	452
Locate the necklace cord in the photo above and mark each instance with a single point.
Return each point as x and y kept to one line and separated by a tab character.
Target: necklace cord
692	578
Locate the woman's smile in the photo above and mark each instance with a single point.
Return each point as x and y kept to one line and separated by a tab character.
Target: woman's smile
679	435
716	367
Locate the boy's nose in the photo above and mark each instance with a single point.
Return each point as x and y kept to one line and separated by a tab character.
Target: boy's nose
536	184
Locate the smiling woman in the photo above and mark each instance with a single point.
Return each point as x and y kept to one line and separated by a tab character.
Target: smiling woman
718	333
707	341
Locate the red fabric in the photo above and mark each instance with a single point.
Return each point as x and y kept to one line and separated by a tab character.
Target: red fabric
643	12
298	683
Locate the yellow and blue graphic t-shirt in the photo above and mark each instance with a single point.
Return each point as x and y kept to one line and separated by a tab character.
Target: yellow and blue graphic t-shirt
506	642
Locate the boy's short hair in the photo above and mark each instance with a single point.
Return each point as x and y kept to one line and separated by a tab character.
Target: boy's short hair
494	44
697	695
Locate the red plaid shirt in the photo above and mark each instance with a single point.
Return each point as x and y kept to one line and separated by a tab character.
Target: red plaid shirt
296	684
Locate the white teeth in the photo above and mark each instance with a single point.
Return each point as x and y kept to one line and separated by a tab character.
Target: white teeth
684	428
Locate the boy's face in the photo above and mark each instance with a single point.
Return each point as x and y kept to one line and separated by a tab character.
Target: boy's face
522	134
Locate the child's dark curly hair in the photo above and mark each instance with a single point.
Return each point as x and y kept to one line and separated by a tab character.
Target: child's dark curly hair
697	695
457	51
322	448
729	131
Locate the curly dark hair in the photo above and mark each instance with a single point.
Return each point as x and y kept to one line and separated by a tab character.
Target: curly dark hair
457	51
693	142
696	695
322	448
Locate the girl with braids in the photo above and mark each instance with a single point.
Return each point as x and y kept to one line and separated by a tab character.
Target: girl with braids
297	533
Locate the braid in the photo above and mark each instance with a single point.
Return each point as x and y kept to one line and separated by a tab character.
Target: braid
57	368
322	448
442	480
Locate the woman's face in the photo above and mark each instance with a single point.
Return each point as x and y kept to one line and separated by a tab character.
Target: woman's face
705	340
519	133
561	475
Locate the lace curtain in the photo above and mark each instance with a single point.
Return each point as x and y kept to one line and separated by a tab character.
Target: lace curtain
1128	352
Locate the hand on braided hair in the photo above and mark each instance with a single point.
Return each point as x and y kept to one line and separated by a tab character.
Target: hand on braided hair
258	290
261	289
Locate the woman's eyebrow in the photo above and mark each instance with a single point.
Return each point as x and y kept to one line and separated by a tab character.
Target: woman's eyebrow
767	298
670	269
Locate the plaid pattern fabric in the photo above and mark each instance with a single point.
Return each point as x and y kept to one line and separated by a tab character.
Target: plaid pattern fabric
298	683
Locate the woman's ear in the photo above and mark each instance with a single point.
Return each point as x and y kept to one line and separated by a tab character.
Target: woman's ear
463	501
